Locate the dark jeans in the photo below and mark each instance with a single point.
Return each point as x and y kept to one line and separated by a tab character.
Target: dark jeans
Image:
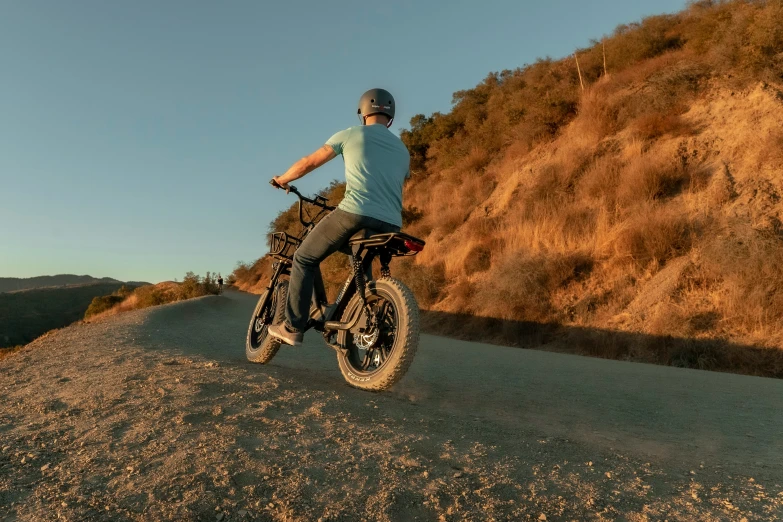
327	237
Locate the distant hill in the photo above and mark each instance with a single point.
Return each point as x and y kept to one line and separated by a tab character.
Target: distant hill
12	284
24	315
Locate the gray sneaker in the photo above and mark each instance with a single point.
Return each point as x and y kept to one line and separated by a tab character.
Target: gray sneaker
281	331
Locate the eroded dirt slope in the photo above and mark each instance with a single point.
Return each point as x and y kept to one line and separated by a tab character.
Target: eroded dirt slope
156	415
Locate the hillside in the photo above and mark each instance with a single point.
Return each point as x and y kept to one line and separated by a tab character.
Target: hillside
26	315
646	202
13	284
128	298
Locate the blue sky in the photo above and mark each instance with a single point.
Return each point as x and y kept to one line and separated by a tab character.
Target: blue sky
137	137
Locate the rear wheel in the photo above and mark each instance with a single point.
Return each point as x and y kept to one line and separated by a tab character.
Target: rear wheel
379	355
260	347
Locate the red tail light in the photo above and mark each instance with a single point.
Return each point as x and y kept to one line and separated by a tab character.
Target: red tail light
414	246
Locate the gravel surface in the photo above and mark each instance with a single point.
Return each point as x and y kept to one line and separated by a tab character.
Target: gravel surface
156	415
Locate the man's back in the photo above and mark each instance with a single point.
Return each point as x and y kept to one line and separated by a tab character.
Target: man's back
376	165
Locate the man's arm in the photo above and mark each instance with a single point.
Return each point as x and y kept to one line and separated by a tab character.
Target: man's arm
306	165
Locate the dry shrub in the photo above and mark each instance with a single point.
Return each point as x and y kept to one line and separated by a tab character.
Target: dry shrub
577	224
597	111
750	267
8	351
462	294
654	235
517	292
771	154
656	124
554	226
131	303
241	274
521	286
479	259
484	227
568	268
475	160
765	36
721	188
658	88
655	35
559	179
450	219
147	296
549	183
411	215
248	277
667	318
601	180
445	211
426	282
101	304
651	176
474	189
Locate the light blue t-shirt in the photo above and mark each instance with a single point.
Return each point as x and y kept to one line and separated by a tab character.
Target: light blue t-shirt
376	165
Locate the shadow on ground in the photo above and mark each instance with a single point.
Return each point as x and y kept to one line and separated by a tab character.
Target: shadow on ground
703	354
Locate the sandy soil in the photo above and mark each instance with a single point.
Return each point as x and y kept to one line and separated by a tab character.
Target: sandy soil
156	415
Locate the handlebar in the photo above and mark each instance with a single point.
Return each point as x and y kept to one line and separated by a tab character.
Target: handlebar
318	201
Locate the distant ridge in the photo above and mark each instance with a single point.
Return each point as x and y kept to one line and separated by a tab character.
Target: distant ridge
12	284
26	314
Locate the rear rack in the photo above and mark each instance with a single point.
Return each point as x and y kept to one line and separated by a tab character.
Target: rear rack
399	243
282	246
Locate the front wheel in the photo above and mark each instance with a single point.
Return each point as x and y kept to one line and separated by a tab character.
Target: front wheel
379	355
260	347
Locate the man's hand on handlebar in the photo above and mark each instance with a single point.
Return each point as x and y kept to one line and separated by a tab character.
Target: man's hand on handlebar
275	182
319	201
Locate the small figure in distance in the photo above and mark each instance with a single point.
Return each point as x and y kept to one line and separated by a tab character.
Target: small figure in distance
220	284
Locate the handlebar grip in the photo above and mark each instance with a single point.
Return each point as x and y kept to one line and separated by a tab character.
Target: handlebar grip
277	185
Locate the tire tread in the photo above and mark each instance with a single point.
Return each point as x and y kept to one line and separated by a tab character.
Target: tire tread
408	348
269	347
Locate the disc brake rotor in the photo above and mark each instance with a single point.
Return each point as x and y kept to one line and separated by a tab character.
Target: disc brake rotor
366	341
373	338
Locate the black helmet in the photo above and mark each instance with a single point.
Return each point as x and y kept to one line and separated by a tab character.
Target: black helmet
376	101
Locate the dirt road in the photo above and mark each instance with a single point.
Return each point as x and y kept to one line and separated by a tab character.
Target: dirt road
156	415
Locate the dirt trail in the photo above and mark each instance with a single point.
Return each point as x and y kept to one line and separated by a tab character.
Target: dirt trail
156	415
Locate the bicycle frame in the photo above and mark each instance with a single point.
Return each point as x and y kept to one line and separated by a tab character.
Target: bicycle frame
320	301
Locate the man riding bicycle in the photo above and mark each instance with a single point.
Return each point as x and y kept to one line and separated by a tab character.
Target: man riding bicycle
376	165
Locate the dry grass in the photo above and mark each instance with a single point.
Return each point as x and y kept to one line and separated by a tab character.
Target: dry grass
653	236
7	352
771	154
655	125
748	295
651	176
